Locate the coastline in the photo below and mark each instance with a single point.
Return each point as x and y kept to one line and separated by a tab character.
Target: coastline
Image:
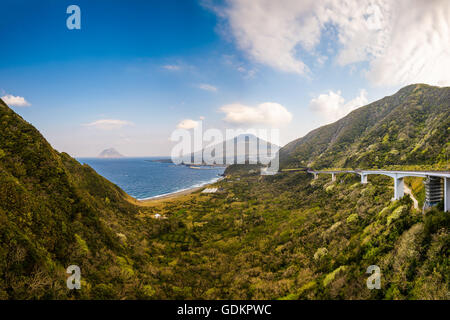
170	196
158	190
174	195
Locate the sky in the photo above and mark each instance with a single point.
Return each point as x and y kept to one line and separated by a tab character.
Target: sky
135	71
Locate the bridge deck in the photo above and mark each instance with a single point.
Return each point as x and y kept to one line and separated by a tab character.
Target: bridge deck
442	174
398	176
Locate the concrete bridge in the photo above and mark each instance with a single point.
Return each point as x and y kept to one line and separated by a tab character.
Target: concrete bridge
432	184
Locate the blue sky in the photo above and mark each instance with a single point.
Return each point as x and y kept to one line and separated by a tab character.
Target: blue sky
136	69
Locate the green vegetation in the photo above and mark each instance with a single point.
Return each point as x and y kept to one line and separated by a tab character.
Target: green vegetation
408	128
264	237
55	212
287	237
417	188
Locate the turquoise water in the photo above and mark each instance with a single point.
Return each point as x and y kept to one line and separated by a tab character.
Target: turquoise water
145	179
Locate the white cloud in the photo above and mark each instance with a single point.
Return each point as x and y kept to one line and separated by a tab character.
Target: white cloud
247	73
15	101
321	60
418	49
404	41
187	124
207	87
108	124
268	113
272	38
332	106
172	67
234	62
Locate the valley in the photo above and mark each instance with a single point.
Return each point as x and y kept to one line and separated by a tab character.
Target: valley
286	236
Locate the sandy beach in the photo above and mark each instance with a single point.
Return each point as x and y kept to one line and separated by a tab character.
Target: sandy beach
180	195
174	194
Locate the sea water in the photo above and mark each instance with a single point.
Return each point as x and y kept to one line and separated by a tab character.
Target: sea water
145	178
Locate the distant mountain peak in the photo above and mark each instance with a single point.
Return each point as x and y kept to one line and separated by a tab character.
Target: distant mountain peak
110	153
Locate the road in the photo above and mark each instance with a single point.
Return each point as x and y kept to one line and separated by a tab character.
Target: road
408	191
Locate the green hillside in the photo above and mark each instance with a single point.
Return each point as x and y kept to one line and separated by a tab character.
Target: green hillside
410	127
54	212
291	237
262	237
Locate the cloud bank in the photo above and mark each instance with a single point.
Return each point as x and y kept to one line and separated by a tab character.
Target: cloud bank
402	42
109	124
207	87
15	101
187	124
268	113
332	106
172	67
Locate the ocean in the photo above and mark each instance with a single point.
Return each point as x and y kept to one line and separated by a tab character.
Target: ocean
143	178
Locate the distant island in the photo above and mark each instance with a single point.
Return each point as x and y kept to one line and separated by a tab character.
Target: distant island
110	153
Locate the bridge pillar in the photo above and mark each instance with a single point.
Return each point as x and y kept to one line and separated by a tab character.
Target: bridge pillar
316	176
433	191
399	188
364	178
333	177
446	194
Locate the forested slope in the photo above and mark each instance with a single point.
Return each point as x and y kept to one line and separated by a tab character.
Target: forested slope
54	212
262	237
411	127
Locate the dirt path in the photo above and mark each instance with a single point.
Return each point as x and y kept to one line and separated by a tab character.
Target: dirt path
408	191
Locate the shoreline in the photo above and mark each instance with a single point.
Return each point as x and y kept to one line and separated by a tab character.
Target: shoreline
163	198
173	195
